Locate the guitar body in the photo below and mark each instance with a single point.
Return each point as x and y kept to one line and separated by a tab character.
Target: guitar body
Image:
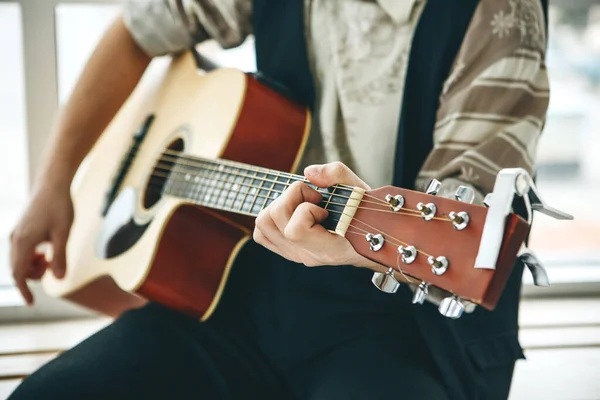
150	246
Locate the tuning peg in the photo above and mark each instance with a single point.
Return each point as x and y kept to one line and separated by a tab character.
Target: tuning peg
451	307
421	293
375	241
408	253
469	306
396	202
386	281
460	219
439	265
487	200
464	194
427	210
531	260
433	187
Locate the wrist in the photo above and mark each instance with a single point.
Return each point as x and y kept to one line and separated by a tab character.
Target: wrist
53	179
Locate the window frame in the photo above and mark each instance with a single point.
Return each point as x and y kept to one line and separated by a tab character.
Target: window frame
38	24
41	106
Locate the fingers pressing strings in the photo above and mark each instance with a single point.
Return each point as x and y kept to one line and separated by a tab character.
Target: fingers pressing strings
180	176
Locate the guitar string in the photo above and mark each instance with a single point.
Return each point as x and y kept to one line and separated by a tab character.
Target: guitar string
169	168
289	176
177	155
409	280
257	194
390	237
232	199
200	165
198	161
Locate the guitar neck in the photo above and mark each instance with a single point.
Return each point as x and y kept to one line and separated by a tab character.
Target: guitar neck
240	188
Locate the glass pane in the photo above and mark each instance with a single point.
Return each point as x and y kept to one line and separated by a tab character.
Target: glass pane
13	145
569	166
79	27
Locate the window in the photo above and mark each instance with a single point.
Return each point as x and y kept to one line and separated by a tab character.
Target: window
13	143
79	27
63	34
568	163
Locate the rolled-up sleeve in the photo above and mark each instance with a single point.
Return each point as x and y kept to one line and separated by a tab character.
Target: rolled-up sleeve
493	105
169	26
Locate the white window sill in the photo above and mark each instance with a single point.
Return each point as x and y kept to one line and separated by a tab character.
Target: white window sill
10	297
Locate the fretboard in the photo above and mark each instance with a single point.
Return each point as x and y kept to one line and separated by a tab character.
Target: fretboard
241	188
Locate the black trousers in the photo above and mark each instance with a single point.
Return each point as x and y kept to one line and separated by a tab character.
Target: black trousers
281	331
157	353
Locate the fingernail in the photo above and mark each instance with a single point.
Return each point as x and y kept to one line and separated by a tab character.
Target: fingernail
313	170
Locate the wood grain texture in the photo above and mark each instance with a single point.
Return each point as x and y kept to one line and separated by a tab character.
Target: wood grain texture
182	258
191	261
436	238
198	246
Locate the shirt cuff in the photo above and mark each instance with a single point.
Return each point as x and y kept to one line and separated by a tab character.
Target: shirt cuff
156	28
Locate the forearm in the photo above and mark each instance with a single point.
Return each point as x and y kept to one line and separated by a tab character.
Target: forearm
109	77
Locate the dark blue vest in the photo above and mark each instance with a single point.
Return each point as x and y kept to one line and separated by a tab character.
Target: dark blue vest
469	350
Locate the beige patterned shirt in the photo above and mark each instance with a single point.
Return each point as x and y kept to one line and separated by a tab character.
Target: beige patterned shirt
491	111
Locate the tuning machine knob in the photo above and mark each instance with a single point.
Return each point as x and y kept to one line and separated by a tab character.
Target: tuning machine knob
375	241
460	219
487	200
533	263
396	202
421	293
451	307
386	281
408	254
427	210
439	265
434	187
464	194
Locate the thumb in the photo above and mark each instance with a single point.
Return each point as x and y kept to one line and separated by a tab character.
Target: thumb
59	253
326	175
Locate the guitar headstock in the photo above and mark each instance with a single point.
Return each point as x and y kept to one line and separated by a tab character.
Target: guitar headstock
440	242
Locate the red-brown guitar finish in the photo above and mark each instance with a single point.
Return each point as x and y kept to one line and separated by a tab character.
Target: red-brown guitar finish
162	238
439	238
270	132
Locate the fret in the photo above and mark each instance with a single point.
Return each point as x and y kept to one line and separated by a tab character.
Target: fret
211	189
248	191
283	182
241	190
257	200
270	182
177	183
202	185
167	189
329	197
337	199
198	183
232	186
188	180
224	185
248	200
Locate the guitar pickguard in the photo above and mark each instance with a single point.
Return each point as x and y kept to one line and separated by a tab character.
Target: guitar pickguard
119	230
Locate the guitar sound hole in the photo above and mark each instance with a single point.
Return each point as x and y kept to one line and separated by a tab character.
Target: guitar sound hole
161	173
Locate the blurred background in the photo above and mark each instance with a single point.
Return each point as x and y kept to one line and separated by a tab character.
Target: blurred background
45	43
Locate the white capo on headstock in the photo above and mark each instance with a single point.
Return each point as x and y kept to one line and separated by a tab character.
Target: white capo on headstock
512	182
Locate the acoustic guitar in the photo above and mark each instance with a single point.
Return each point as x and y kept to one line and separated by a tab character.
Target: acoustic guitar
167	197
